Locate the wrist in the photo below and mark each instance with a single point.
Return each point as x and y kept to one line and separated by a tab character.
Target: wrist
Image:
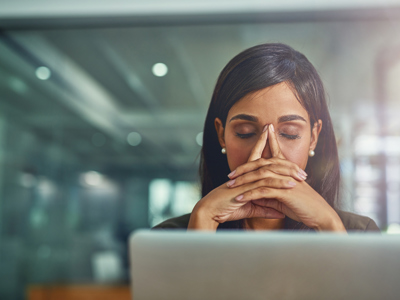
200	219
332	223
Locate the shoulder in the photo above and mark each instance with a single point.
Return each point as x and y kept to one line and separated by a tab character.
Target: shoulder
354	222
174	223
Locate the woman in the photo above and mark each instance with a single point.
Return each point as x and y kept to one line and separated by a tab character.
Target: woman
269	157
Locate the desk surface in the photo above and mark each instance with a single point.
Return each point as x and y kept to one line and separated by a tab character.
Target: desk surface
79	292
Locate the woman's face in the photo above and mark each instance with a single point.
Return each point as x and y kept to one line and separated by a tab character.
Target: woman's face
275	105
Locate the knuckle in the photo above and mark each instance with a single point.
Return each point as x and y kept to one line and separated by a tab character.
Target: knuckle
266	181
264	172
242	170
263	162
253	192
274	160
259	162
248	195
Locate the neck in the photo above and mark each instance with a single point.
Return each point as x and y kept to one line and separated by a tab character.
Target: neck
264	224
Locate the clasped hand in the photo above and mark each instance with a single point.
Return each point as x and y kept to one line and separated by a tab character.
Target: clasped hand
269	188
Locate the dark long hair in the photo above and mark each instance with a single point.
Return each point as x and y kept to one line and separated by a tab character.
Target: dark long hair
257	68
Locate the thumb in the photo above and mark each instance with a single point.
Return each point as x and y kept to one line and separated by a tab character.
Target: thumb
258	149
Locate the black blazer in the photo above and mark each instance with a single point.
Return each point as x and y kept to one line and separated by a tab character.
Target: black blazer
352	222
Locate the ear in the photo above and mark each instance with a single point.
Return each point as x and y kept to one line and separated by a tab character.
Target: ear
315	134
220	131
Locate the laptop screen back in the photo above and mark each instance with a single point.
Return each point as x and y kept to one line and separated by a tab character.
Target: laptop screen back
243	265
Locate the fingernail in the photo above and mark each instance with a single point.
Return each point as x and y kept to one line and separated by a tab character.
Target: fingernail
304	172
230	183
301	175
272	128
291	183
232	173
265	128
240	197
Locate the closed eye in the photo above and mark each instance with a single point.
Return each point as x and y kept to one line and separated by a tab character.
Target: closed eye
290	136
245	135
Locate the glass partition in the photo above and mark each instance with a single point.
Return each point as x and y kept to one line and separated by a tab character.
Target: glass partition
100	133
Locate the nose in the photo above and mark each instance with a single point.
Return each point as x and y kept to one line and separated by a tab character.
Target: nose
266	152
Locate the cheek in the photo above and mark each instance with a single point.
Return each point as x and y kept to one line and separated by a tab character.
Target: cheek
296	153
237	154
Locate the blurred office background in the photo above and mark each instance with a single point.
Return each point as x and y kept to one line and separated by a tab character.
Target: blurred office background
102	108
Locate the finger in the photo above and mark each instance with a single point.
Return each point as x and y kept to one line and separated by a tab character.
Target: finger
271	203
260	193
277	165
271	170
278	206
273	143
250	210
264	177
265	212
260	145
266	188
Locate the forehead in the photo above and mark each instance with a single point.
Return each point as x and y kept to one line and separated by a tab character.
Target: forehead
269	104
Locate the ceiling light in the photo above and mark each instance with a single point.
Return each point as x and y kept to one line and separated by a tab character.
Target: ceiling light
43	73
91	178
134	139
160	70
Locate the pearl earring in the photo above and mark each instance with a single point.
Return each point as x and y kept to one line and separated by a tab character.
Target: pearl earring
311	153
223	151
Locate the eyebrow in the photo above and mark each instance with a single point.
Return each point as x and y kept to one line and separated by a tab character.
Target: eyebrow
281	119
289	118
244	117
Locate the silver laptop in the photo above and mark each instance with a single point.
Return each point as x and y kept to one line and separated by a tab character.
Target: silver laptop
253	265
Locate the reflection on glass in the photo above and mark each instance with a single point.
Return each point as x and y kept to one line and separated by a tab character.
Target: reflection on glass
93	145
